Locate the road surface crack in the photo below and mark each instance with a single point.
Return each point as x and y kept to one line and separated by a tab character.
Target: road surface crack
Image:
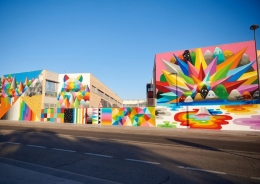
70	163
106	149
167	179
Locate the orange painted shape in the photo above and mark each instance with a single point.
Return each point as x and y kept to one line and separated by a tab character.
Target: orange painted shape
195	79
5	105
233	59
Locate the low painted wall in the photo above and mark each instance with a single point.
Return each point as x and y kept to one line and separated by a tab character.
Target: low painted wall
218	117
106	116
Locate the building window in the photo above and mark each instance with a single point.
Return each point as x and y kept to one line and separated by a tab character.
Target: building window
46	106
93	89
51	89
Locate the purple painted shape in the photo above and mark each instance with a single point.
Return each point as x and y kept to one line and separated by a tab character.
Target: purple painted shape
212	68
173	89
249	88
214	84
253	122
192	70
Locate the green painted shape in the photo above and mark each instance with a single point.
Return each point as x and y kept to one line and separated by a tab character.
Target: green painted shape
163	78
187	93
204	122
167	124
221	92
58	104
76	103
193	57
186	78
255	82
221	74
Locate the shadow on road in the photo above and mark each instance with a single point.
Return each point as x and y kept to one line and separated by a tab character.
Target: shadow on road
117	168
194	145
204	147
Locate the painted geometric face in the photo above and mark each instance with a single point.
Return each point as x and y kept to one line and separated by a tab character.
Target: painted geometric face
72	85
182	98
247	96
204	91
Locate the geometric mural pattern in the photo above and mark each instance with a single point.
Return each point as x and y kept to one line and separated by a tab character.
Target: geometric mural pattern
25	112
222	75
52	115
22	84
34	103
73	93
95	116
80	116
68	115
133	116
106	116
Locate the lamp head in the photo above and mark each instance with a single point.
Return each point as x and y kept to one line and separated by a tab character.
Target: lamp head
254	27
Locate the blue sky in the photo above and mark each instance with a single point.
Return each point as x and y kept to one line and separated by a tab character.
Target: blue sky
116	40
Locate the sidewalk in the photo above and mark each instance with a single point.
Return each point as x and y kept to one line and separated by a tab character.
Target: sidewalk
118	129
17	172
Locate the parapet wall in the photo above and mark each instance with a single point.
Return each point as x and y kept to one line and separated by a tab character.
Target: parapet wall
217	117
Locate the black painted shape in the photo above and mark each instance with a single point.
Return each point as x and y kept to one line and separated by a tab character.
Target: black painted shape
68	115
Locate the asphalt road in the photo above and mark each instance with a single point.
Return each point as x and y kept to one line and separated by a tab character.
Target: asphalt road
134	154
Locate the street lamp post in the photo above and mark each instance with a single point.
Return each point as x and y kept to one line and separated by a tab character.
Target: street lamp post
254	27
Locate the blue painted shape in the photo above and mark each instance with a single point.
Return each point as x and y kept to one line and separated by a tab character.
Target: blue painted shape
183	65
169	94
107	110
207	78
214	112
236	73
163	100
20	77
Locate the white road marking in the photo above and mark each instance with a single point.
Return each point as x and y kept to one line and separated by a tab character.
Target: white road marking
143	142
143	161
50	168
64	150
255	178
99	155
12	142
203	170
31	145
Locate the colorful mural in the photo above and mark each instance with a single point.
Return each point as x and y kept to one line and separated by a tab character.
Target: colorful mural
69	115
95	115
15	85
25	112
133	116
224	74
106	116
210	88
73	93
22	85
52	115
204	88
233	117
